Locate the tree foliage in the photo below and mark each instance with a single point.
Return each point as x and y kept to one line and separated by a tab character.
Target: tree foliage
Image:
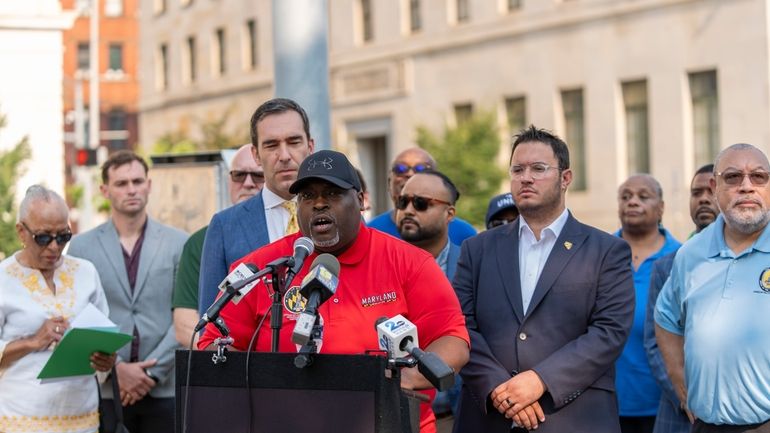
10	169
467	154
213	135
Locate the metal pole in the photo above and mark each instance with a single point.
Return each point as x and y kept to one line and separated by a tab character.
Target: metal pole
93	78
301	71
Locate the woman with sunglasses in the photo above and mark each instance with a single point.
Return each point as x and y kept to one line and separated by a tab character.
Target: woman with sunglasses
41	290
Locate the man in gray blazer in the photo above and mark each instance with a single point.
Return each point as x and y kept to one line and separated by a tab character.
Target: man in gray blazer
548	303
280	138
137	259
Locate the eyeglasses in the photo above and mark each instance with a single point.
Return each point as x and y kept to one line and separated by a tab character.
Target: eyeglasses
44	239
735	178
240	176
420	204
537	170
402	169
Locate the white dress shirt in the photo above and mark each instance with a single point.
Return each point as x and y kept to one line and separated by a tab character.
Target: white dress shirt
533	254
276	215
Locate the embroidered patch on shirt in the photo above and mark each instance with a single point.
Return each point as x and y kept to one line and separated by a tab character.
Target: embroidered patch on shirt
294	303
384	298
764	281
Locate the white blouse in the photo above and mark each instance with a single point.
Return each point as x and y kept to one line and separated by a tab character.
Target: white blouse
27	405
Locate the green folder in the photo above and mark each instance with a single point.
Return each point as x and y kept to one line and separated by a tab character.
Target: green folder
72	355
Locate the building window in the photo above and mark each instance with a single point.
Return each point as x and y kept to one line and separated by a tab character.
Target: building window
574	135
367	31
705	116
116	56
84	56
250	45
637	126
161	68
513	5
463	11
220	53
463	113
117	133
113	8
189	61
415	19
516	112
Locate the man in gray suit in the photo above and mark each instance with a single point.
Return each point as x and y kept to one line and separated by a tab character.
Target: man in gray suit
137	258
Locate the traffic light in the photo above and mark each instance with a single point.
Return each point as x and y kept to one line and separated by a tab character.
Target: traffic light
85	157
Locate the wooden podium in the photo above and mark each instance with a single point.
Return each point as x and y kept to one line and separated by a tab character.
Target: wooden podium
334	394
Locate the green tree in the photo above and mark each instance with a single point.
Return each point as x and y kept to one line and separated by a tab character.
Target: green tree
10	170
213	135
467	154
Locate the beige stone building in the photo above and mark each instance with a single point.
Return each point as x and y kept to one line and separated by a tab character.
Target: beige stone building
632	85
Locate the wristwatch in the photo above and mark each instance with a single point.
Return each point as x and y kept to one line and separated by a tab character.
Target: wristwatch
151	376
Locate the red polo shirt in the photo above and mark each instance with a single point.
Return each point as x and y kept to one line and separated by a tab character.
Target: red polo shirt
379	276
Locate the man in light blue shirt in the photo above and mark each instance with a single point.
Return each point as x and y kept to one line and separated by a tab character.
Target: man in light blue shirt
711	315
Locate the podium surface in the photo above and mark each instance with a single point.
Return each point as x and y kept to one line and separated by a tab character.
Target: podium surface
335	394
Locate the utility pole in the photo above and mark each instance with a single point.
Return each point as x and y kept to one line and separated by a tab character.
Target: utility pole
301	59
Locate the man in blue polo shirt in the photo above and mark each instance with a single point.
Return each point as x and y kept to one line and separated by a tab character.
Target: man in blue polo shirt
711	316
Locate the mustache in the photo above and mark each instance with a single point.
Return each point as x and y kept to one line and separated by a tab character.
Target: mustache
407	219
702	209
745	199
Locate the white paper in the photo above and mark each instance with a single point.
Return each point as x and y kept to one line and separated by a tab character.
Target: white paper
92	317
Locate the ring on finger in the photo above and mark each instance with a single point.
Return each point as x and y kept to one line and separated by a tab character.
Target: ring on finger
56	329
508	402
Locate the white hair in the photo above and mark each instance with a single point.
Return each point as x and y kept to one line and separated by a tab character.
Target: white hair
37	193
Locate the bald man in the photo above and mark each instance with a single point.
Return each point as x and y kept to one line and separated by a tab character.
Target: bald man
246	180
405	165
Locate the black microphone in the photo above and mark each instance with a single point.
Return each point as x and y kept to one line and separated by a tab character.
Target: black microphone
212	313
303	247
398	336
317	286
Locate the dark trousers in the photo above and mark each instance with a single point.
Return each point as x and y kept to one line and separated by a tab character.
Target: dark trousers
637	424
702	427
148	415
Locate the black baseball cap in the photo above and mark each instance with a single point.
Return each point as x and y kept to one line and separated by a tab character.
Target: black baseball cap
498	204
329	165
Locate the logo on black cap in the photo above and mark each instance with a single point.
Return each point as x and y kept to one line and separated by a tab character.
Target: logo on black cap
325	163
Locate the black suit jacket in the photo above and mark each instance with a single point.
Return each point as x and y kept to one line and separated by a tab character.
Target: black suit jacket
578	321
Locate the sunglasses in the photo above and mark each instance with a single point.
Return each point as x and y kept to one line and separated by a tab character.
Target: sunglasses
240	176
401	169
735	178
420	204
44	239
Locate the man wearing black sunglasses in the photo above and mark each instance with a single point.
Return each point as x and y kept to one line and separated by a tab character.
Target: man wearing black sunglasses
405	165
246	179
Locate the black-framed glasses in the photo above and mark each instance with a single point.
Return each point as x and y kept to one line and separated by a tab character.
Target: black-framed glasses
239	176
44	239
735	177
401	168
420	204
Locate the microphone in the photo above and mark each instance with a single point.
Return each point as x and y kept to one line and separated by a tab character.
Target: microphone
241	272
303	247
317	286
398	336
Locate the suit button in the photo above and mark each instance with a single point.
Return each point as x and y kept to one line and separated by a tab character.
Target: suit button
522	336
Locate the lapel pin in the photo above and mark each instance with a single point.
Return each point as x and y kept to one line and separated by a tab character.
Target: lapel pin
568	245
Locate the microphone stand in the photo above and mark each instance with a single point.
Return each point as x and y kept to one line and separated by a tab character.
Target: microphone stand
278	270
304	357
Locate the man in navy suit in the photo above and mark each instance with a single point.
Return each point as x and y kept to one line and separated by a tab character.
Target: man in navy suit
280	136
548	302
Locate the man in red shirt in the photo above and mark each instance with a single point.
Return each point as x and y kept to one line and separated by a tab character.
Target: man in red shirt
379	276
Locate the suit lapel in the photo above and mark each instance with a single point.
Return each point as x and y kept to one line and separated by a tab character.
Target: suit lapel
251	217
508	263
113	250
569	242
150	245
